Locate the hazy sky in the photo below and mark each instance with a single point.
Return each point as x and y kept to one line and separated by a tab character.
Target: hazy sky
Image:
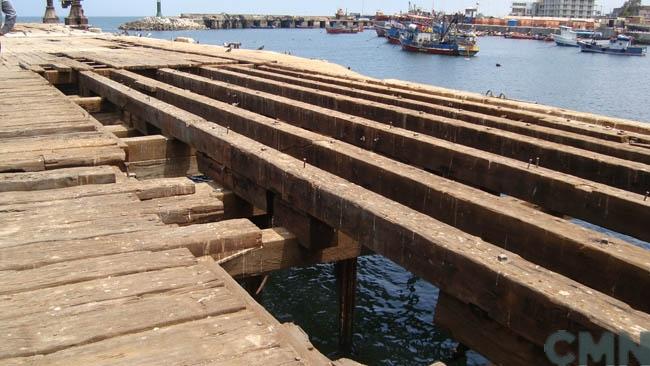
293	7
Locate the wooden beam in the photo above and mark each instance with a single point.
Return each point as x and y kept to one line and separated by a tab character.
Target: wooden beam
155	147
520	229
346	283
624	212
473	327
279	250
311	232
531	301
90	104
60	178
201	240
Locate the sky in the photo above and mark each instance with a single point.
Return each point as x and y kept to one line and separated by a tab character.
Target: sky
292	7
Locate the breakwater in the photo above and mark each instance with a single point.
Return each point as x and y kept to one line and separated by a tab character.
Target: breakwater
240	21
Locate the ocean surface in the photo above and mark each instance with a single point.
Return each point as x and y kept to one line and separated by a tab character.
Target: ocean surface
394	313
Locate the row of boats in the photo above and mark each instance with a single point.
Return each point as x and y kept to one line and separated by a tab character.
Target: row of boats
429	35
589	42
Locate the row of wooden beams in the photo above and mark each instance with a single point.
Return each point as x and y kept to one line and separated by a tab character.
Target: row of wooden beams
605	206
464	97
485	106
624	174
535	236
612	148
531	301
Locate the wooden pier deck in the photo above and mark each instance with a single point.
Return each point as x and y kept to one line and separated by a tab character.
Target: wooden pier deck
110	255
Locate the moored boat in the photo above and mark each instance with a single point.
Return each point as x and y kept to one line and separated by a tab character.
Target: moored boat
569	37
342	30
393	34
621	45
418	39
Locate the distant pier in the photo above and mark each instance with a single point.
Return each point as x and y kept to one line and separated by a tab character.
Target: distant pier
241	21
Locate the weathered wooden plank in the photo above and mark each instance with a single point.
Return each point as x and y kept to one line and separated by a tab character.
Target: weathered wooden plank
535	236
624	174
105	289
144	190
201	239
56	330
92	268
191	343
62	158
57	179
466	267
603	205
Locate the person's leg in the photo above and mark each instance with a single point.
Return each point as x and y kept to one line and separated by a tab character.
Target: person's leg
10	17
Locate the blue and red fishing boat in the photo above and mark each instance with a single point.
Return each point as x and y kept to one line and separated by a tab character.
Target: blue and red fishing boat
438	39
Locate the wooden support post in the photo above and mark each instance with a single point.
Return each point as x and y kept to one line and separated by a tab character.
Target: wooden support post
346	282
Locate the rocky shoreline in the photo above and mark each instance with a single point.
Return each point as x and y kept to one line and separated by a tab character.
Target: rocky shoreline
163	24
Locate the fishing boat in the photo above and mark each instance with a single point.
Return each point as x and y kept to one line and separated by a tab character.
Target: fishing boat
341	29
437	41
381	30
621	45
394	33
569	37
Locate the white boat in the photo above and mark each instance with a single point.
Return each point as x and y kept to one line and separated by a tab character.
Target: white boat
621	45
570	38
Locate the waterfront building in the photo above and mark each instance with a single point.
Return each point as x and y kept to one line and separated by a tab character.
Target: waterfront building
566	8
523	8
554	8
644	13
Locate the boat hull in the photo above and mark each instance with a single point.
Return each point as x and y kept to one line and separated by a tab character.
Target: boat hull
342	31
441	50
381	31
393	40
630	51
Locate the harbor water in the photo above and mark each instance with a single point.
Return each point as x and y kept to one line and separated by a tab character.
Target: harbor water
394	314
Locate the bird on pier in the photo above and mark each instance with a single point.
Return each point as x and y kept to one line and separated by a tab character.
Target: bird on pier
228	49
260	48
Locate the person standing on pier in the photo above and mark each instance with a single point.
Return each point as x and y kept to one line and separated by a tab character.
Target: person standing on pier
10	18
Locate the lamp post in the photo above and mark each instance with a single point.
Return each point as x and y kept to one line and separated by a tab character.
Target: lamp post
50	13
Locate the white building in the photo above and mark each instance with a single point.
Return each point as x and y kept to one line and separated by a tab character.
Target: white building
566	8
555	8
523	8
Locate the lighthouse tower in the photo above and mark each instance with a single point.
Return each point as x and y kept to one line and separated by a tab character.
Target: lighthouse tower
159	9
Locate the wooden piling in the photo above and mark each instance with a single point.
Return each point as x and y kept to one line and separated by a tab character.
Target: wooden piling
346	283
